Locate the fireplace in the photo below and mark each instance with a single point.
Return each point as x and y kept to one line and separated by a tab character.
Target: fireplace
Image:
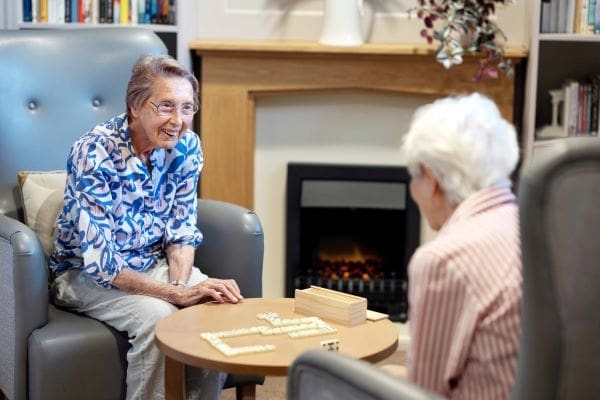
351	228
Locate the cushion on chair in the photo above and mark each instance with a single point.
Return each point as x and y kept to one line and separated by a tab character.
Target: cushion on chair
42	197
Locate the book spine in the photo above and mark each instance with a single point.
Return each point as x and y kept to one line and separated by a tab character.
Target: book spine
124	12
115	17
172	12
574	89
154	11
102	11
95	11
75	11
68	10
591	19
109	11
577	16
595	99
27	13
147	12
80	11
35	11
133	11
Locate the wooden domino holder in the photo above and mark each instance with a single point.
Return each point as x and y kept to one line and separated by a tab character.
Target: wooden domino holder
338	307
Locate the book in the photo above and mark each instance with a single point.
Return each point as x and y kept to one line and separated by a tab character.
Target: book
562	16
571	88
81	4
591	20
583	18
27	13
35	10
74	10
594	104
597	20
570	23
115	6
124	12
554	16
545	17
133	11
68	9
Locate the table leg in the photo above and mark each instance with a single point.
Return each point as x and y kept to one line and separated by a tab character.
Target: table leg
174	379
245	392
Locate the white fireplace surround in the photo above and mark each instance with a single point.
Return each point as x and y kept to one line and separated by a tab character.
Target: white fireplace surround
343	128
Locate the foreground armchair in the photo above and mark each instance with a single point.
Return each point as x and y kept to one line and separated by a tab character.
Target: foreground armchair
322	375
57	84
559	357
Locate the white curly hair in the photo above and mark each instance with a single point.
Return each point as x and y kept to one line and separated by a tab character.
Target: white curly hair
465	143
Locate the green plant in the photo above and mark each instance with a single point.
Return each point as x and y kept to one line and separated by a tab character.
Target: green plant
462	26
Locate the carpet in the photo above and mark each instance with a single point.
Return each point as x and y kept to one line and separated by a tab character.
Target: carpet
274	387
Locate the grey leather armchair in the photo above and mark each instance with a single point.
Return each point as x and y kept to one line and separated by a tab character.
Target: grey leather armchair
55	85
559	357
325	375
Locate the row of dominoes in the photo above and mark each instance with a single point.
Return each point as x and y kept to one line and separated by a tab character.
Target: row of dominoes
295	328
323	330
274	320
236	332
264	330
229	351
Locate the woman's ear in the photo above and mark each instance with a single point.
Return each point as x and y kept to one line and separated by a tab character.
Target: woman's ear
432	184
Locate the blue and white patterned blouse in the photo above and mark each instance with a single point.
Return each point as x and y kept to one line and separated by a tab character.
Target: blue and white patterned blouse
117	214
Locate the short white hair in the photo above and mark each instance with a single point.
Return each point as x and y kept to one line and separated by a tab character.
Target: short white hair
465	143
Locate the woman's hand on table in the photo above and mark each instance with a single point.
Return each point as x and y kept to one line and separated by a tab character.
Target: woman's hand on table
211	289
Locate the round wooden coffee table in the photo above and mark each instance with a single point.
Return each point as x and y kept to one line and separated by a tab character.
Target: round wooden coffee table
178	337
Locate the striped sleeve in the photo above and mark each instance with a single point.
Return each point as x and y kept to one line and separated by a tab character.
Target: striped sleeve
443	317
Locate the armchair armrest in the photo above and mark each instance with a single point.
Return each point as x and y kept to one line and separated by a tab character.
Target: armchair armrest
23	300
233	245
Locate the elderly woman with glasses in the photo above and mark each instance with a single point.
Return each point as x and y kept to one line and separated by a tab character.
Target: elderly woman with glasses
127	231
464	285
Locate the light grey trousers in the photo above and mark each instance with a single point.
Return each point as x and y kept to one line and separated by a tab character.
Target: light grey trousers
137	315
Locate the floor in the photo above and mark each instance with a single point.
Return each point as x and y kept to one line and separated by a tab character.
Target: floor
274	387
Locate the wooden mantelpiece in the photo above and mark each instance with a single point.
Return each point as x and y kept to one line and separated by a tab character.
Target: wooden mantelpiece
233	74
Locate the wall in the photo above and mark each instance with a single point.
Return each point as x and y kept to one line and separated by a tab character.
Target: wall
361	128
383	20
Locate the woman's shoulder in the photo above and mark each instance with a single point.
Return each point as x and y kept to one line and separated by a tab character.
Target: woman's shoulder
104	138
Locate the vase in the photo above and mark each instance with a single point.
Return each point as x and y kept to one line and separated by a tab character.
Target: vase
341	23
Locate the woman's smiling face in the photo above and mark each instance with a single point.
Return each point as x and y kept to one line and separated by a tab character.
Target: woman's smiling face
151	130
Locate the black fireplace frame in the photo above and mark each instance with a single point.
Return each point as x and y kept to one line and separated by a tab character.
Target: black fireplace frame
297	172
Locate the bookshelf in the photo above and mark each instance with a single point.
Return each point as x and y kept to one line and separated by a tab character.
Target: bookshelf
176	36
553	58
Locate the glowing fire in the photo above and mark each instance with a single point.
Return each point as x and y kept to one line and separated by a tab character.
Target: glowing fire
349	263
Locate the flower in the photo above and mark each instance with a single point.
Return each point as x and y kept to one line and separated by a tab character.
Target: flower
465	26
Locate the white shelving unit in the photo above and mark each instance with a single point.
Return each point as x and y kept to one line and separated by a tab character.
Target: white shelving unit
553	58
185	29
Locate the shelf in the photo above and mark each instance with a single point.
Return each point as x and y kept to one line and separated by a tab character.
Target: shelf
302	47
71	25
567	37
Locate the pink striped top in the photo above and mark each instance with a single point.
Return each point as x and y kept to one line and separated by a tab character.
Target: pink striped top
465	301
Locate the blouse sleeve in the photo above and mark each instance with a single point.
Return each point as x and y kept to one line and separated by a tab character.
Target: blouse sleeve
181	227
442	319
90	171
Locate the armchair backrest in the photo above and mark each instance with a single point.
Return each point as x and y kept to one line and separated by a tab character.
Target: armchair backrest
320	374
559	356
56	85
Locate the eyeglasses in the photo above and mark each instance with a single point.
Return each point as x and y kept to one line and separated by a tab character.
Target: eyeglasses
166	108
